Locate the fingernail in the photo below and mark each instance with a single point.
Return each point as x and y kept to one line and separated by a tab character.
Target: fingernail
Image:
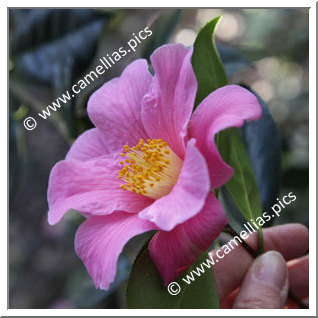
271	269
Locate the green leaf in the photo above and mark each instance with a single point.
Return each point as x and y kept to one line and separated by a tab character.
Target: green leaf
146	290
242	187
206	62
211	75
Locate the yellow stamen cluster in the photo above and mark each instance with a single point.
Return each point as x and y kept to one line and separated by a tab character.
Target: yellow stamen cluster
150	168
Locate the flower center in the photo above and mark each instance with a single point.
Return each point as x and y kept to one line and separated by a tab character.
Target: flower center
150	168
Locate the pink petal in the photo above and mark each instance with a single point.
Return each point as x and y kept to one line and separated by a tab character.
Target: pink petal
115	108
168	106
186	198
226	107
90	187
88	145
100	240
173	252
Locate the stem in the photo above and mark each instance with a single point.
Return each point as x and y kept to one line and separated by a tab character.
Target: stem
260	241
228	229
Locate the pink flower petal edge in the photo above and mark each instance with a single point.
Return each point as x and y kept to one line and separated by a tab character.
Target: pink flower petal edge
91	187
168	105
115	108
100	240
228	106
89	145
173	252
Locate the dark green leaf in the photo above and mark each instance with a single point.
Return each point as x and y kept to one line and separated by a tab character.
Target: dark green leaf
235	217
260	138
146	289
242	187
42	39
211	75
262	142
206	62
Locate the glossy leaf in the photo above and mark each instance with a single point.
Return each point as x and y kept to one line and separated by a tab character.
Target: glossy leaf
211	75
206	62
261	138
262	142
242	187
146	289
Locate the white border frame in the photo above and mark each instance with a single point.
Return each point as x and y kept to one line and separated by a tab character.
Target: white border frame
162	312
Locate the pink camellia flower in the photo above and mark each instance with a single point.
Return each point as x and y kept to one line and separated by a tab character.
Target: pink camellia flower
149	165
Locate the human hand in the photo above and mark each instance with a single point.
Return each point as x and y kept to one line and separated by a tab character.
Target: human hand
264	282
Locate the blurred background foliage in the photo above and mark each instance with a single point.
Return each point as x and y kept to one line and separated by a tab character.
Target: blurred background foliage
264	49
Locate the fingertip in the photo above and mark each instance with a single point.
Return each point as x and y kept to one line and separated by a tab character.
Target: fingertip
265	284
